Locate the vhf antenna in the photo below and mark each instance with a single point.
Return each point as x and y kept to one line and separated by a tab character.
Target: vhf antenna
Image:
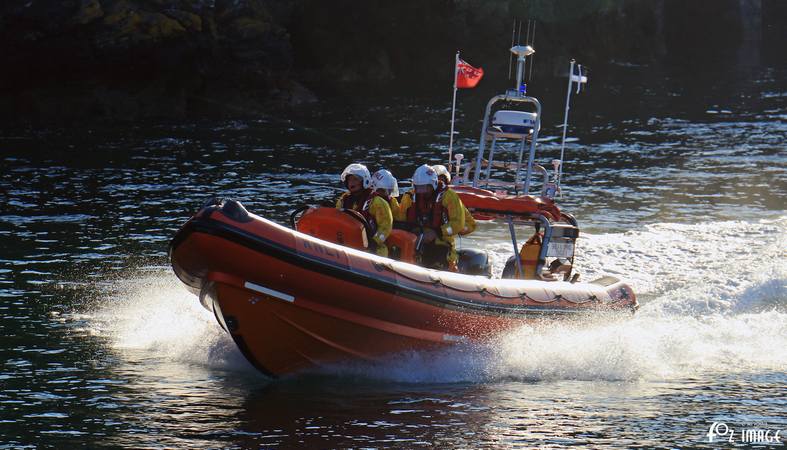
527	40
532	42
516	37
510	56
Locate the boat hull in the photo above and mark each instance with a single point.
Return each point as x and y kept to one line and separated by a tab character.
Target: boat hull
291	301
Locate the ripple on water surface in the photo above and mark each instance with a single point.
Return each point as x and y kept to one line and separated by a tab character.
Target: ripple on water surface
690	209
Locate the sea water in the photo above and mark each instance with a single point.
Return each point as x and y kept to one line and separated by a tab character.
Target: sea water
102	345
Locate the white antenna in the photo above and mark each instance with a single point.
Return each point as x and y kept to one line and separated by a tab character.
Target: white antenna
511	57
527	40
532	43
580	80
519	33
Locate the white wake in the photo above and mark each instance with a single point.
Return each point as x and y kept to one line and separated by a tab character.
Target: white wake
714	297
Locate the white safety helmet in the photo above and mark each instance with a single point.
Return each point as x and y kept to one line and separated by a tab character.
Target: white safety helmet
360	171
383	179
441	170
425	175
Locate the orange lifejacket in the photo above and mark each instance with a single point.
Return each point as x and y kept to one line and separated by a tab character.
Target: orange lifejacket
426	213
358	200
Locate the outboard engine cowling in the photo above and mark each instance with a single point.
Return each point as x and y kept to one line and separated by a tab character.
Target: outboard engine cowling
474	262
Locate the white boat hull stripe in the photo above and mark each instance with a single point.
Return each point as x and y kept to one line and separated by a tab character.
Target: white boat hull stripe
270	292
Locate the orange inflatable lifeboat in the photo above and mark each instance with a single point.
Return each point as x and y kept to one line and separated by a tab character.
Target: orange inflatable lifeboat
293	299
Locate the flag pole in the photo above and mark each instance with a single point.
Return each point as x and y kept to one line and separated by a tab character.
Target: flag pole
453	114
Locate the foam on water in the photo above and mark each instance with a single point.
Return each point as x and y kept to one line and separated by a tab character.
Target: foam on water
153	315
713	294
641	348
707	267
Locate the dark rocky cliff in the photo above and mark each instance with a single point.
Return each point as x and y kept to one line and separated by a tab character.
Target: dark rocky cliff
131	59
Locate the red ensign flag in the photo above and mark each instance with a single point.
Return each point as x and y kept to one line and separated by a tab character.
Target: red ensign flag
467	76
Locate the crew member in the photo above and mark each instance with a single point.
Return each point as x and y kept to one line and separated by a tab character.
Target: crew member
358	181
377	209
434	217
444	177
